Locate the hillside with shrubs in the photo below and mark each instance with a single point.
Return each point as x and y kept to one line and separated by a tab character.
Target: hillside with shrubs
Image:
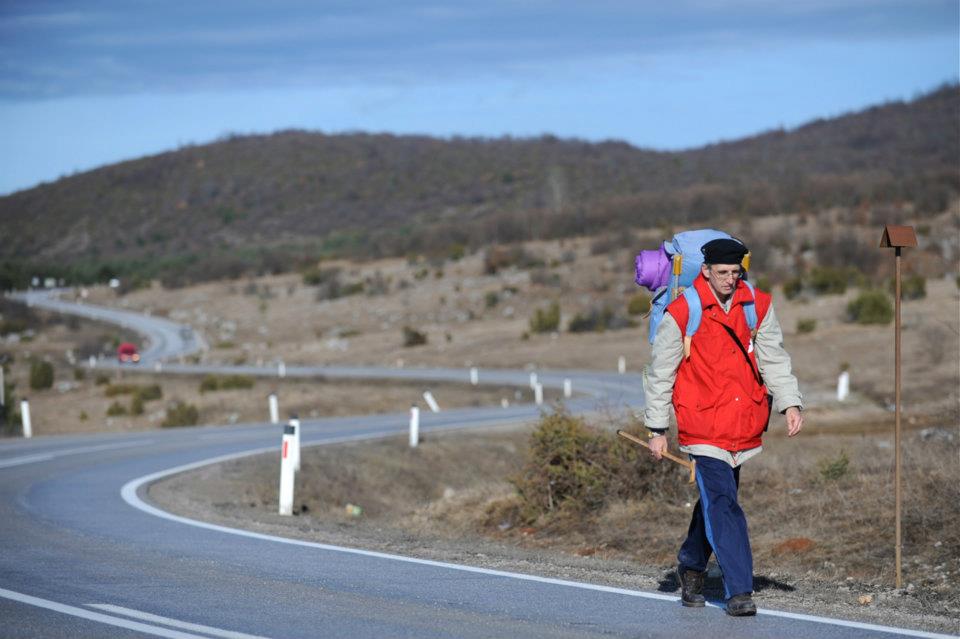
273	203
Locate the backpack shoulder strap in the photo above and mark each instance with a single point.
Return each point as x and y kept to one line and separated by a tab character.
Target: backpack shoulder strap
695	312
750	310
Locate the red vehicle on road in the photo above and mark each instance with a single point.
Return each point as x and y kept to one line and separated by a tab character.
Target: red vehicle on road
127	352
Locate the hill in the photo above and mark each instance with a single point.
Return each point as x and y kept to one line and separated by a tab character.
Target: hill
267	203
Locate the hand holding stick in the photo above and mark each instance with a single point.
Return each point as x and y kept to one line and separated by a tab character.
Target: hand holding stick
691	465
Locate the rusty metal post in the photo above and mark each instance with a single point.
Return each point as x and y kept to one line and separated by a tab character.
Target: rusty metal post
896	437
897	237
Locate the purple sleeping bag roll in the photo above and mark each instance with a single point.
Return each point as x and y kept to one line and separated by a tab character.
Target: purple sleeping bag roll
653	268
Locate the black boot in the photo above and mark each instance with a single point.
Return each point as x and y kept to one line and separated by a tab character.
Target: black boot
741	606
691	587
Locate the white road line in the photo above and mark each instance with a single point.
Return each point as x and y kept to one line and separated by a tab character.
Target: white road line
129	494
31	459
26	459
97	616
238	436
175	623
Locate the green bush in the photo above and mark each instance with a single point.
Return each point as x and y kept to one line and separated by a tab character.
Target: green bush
870	307
41	374
912	287
806	325
112	390
79	374
181	414
594	320
792	288
491	299
764	284
315	276
233	382
101	379
826	280
150	392
573	468
83	416
456	251
146	392
209	383
353	288
115	409
136	405
834	469
8	326
639	304
10	422
413	337
546	320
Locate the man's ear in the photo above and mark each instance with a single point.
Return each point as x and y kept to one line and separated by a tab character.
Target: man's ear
705	270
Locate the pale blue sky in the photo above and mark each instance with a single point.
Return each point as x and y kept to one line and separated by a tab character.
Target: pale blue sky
86	84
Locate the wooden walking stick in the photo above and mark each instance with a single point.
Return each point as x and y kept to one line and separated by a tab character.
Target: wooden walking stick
691	465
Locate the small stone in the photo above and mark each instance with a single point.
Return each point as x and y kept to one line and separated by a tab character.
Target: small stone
865	600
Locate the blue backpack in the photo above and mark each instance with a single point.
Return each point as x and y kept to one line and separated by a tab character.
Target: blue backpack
685	257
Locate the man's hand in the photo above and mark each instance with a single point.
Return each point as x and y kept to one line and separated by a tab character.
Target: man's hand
658	444
794	421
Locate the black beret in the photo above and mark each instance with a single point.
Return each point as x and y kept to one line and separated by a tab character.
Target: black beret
723	251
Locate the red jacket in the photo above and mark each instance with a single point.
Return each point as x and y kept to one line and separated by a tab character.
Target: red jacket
716	396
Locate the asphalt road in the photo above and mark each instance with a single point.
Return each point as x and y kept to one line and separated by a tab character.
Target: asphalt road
85	555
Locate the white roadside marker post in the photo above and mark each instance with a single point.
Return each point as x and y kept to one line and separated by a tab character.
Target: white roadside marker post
843	386
281	369
25	418
92	362
538	393
414	426
274	408
295	422
567	388
504	403
622	365
474	376
431	402
286	471
533	380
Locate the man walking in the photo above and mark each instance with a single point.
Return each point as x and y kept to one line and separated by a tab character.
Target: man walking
717	354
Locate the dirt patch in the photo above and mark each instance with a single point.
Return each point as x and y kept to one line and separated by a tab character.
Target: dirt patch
823	546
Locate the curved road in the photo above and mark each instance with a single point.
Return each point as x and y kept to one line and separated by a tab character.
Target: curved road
85	555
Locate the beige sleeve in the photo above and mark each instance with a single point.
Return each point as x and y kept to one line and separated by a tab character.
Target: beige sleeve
775	366
661	373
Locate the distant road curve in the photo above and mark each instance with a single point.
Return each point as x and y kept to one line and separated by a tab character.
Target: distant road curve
86	555
164	339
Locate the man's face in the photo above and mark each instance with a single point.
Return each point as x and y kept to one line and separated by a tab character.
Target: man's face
722	277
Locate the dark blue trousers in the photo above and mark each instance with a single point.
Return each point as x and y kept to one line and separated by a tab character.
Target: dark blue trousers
719	526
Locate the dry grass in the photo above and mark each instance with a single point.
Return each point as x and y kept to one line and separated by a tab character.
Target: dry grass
804	527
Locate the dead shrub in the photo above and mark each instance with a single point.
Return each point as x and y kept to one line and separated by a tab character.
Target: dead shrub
572	469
